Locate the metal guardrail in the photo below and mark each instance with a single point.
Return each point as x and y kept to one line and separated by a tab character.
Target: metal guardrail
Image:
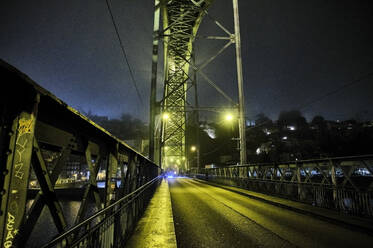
109	226
42	140
344	184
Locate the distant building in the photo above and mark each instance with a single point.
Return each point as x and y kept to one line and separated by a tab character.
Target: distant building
210	131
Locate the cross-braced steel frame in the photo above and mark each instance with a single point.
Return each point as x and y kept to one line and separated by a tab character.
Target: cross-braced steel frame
43	144
181	20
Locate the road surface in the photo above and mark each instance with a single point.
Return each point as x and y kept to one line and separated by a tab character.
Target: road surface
208	216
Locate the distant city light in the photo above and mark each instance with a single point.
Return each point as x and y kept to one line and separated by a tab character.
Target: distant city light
211	133
193	148
258	151
285	137
250	123
292	128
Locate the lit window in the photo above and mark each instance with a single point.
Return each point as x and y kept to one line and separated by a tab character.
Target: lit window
291	128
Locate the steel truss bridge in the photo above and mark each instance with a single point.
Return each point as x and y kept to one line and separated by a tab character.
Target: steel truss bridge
43	142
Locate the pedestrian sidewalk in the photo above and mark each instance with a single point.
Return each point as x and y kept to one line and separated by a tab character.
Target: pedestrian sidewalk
329	215
156	227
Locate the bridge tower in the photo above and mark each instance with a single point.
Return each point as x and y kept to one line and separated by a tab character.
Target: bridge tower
180	20
176	23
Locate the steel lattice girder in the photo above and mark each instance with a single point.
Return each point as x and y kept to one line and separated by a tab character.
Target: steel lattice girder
39	133
181	19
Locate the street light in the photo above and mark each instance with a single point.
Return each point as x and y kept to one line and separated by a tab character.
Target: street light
228	117
165	116
193	148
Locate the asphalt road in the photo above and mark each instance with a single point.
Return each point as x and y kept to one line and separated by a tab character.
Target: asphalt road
208	216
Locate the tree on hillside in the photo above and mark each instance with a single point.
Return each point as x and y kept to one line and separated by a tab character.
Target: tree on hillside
262	120
124	128
292	117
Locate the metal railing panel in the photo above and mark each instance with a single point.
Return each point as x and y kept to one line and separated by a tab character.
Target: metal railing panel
343	184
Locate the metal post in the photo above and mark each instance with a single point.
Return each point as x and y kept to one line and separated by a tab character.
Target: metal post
153	89
111	171
16	175
196	106
241	103
299	180
334	182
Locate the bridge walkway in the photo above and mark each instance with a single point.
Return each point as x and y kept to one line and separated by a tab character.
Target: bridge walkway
156	227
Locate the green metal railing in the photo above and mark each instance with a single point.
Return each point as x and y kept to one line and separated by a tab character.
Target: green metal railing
110	226
344	183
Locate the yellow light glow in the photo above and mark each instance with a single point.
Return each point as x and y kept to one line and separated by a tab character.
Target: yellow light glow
172	159
183	158
193	148
165	116
228	117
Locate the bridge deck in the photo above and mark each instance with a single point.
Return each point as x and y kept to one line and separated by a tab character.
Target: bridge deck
329	215
209	216
156	227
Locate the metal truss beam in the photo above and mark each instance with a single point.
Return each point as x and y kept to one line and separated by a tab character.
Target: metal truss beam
181	20
39	131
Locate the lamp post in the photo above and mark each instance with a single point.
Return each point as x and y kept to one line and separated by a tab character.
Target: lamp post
195	149
241	103
231	118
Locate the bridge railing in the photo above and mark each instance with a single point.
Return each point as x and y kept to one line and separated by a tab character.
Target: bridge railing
344	183
110	226
57	167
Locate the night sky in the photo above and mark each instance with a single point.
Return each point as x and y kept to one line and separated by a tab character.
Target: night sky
294	53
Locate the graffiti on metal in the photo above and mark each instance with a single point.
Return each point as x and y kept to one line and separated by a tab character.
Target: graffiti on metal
25	127
11	231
